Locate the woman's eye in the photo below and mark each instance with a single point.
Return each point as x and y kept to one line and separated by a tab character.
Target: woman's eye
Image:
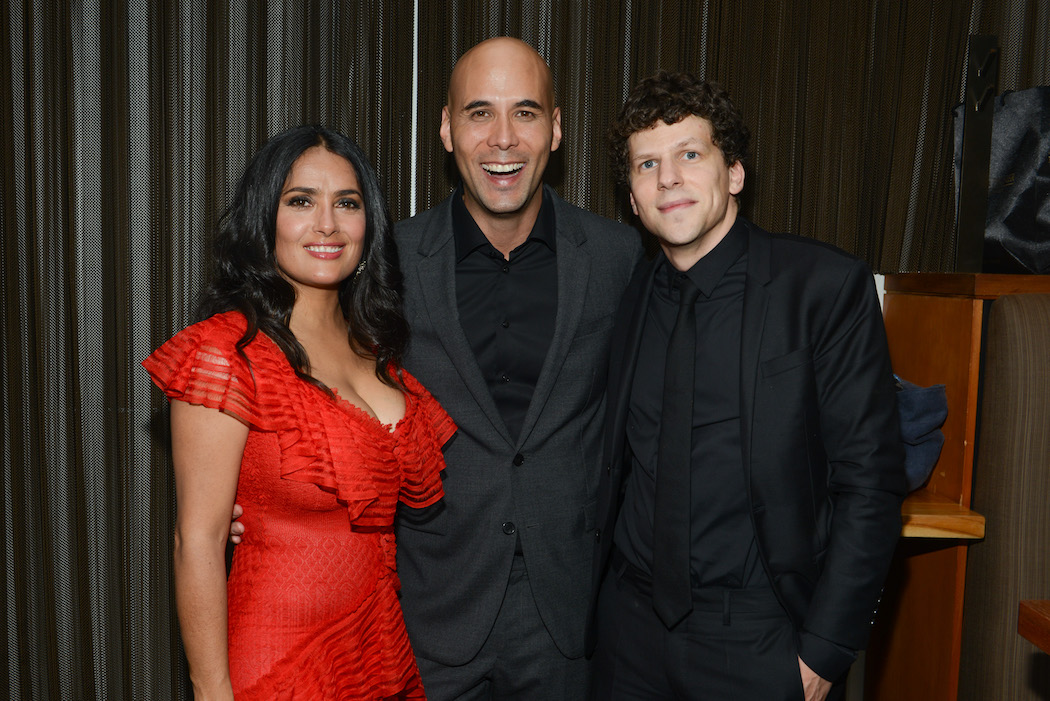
348	203
298	201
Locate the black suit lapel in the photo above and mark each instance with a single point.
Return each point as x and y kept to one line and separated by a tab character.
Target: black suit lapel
756	303
623	358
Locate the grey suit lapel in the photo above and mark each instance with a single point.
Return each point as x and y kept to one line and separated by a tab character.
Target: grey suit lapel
437	279
574	267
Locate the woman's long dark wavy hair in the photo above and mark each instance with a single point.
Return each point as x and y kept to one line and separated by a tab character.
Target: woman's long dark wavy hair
247	278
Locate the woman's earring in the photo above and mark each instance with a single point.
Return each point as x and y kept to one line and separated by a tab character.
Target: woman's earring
360	269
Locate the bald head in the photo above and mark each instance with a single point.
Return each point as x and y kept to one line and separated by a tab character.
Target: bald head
504	59
500	125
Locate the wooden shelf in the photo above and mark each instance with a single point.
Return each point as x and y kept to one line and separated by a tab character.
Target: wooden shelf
1033	623
935	325
928	515
982	286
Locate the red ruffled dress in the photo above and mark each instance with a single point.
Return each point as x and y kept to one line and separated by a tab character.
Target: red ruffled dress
313	604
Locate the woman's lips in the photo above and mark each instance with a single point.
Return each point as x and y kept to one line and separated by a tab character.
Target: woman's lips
324	251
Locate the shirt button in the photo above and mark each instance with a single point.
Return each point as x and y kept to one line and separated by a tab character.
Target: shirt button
505	324
509	528
504	378
518	460
598	535
506	268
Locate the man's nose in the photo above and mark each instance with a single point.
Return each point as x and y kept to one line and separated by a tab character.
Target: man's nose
504	133
670	174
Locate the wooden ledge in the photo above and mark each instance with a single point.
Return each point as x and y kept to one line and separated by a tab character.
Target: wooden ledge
979	285
929	515
1033	623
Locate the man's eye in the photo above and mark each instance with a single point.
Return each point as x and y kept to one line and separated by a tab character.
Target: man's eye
479	114
690	155
646	165
526	114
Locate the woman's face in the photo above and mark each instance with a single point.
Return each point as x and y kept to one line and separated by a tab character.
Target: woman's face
320	221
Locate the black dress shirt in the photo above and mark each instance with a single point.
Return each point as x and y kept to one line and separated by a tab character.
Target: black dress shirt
507	307
723	550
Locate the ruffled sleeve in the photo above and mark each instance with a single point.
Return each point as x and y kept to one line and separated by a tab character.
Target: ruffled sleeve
201	365
419	448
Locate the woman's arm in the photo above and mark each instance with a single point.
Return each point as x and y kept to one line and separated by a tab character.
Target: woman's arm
207	446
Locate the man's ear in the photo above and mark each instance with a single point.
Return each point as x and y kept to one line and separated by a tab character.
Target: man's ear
634	207
556	128
736	178
445	131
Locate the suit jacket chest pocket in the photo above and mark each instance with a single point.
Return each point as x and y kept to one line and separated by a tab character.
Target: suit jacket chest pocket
786	395
787	422
586	363
784	363
786	414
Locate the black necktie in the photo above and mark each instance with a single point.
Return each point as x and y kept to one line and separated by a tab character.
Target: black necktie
672	588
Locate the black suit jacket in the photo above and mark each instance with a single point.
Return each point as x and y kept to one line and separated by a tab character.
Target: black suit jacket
540	486
821	453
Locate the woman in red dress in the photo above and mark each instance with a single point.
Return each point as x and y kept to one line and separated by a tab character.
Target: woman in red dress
290	397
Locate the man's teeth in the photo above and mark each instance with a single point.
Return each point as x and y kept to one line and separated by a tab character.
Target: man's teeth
325	249
503	167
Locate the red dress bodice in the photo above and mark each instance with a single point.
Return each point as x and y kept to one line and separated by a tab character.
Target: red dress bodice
313	606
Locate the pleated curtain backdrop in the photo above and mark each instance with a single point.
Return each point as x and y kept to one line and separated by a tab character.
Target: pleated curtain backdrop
123	125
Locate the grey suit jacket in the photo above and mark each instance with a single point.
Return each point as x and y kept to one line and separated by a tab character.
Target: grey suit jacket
454	568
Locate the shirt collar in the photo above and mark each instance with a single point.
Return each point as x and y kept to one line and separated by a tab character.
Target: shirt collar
707	272
469	237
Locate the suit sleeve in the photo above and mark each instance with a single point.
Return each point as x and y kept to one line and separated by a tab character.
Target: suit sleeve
860	431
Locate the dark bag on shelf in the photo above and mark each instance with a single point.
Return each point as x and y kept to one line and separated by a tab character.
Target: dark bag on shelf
1017	228
922	411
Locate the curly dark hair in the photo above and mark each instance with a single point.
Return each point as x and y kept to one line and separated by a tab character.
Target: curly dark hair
247	278
672	97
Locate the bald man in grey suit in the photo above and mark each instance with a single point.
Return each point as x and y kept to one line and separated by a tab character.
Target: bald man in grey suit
510	293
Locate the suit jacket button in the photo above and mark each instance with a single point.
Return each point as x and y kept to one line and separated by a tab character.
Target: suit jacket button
509	528
518	460
597	535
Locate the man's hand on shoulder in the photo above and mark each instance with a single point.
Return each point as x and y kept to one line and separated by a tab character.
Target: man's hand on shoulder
815	687
236	527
